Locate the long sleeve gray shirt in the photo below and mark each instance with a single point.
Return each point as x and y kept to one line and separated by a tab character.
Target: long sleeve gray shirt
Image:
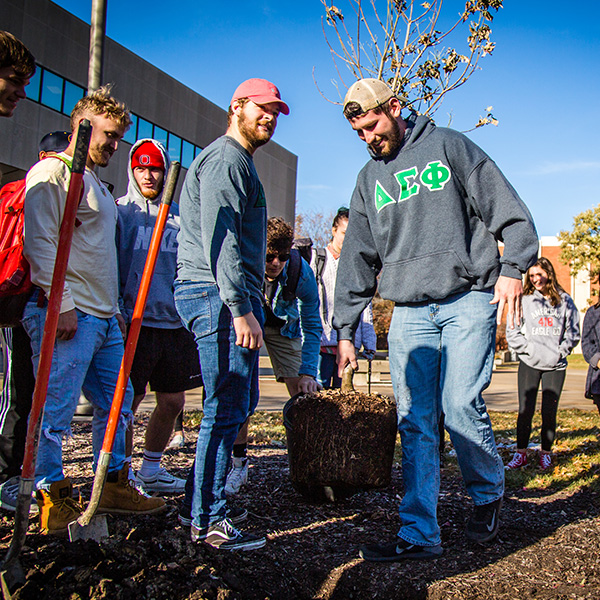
223	214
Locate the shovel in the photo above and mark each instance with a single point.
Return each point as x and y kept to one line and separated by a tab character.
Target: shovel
90	526
12	575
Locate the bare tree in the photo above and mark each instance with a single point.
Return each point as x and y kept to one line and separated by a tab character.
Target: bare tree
316	226
400	42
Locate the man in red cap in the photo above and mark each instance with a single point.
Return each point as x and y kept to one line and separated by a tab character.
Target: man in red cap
218	295
166	355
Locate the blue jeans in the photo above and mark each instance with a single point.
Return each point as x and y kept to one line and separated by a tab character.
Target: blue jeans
230	377
328	371
441	358
90	361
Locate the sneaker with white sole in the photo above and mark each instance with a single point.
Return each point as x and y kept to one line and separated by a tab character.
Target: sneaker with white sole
484	522
224	536
545	460
399	550
177	442
9	492
162	482
236	514
518	460
238	476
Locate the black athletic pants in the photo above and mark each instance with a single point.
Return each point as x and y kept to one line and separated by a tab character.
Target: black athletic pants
529	383
15	402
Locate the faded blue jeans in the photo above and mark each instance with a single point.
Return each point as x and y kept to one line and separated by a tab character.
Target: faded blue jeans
230	377
90	361
441	358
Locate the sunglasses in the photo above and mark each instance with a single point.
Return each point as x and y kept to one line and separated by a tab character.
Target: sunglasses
281	257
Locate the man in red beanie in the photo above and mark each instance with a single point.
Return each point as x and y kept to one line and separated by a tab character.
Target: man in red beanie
166	355
218	295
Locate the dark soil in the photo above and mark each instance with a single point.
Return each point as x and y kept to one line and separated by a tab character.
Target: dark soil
548	547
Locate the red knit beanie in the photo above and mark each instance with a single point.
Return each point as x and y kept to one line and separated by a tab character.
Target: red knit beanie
147	155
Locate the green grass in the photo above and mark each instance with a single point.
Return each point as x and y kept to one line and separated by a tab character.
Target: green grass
576	449
577	361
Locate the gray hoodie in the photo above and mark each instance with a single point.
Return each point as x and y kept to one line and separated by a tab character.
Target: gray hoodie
548	333
137	216
428	220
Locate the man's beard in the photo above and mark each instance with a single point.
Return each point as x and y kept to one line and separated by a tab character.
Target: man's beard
254	137
394	139
150	194
96	154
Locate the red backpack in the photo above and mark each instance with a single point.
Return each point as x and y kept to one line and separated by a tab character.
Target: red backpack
15	284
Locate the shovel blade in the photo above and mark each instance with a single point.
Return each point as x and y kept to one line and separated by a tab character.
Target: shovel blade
96	529
12	578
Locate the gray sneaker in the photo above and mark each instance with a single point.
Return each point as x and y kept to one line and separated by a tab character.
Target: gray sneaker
236	514
224	536
9	492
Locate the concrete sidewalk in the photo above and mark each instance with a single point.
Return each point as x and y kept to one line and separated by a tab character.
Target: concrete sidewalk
501	395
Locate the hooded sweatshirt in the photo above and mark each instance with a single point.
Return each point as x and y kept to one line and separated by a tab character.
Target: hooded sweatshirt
428	219
137	217
548	333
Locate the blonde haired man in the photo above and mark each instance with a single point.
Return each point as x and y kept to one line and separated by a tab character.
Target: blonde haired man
89	344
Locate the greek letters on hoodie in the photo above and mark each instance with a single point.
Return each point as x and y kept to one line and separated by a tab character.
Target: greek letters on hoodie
548	333
428	220
137	217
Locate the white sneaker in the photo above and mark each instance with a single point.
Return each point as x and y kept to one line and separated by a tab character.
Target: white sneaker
177	442
162	482
238	476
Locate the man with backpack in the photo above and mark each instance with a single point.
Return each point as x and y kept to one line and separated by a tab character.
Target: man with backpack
292	329
19	380
17	66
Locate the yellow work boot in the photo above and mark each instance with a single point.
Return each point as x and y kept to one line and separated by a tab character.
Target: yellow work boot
121	497
57	507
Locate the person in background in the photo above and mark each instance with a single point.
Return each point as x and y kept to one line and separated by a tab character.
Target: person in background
548	334
325	265
590	346
292	330
166	355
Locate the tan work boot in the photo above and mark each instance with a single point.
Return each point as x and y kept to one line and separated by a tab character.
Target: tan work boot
121	497
57	507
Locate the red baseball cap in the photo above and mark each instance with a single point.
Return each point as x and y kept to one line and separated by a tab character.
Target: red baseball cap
260	91
147	154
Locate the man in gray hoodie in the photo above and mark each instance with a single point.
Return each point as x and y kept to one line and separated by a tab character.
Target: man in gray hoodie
426	216
166	355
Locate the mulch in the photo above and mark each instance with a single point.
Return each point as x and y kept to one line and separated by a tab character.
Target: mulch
548	546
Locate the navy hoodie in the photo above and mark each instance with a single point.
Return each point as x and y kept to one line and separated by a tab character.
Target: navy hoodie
428	220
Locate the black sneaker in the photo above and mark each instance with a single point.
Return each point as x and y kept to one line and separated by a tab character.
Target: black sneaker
236	514
224	536
484	522
399	550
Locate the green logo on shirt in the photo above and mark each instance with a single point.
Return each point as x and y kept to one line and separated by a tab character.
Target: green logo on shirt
261	200
434	177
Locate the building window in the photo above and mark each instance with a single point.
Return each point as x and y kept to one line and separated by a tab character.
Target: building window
160	135
52	88
73	93
33	89
174	147
130	135
144	129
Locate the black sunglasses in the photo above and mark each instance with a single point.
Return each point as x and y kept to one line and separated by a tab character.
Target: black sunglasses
282	257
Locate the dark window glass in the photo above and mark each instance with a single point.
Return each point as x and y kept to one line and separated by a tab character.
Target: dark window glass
73	93
174	147
144	129
130	135
33	89
52	87
160	135
187	154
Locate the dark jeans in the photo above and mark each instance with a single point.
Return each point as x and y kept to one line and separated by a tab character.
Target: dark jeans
15	404
529	382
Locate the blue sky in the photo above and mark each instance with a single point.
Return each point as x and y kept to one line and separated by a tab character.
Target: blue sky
543	81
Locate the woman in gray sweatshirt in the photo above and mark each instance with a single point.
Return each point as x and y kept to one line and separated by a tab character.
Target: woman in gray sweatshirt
548	333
